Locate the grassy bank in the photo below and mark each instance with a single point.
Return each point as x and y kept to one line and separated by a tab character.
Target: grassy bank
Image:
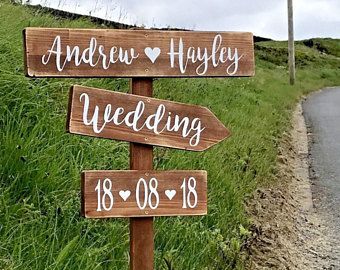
40	165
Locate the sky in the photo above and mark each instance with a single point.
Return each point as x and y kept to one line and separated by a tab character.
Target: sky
266	18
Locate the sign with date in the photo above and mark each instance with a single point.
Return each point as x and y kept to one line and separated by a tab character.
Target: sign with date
57	52
114	115
143	193
140	119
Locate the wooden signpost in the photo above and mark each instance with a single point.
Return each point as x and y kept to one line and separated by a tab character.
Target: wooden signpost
133	118
140	193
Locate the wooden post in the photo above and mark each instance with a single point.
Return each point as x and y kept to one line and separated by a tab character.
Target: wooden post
141	229
291	50
144	57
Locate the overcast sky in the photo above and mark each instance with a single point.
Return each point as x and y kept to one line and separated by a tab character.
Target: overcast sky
267	18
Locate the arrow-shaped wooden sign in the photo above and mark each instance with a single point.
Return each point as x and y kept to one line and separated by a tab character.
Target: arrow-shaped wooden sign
143	193
114	115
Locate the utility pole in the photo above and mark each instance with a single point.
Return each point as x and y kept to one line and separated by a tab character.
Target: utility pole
291	50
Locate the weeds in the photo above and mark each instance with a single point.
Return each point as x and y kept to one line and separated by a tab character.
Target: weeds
40	164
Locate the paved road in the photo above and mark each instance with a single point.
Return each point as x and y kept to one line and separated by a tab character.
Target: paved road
322	115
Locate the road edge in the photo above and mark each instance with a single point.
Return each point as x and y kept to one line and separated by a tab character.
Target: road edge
286	233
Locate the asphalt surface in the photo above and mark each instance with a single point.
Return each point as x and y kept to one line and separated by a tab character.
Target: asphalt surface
322	115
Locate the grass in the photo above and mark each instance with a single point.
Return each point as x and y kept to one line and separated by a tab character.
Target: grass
40	164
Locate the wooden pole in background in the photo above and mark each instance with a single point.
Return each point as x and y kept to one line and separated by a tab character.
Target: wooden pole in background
141	158
291	50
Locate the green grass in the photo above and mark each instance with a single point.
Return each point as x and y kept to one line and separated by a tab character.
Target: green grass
40	164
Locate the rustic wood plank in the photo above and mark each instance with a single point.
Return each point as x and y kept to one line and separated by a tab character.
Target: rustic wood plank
141	243
182	126
58	52
141	158
144	193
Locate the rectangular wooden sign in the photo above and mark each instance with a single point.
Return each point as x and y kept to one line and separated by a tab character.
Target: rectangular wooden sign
58	52
114	115
143	193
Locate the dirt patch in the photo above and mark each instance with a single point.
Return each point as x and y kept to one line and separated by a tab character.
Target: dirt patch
287	231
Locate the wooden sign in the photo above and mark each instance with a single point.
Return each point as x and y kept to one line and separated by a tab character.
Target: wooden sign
114	115
143	193
53	52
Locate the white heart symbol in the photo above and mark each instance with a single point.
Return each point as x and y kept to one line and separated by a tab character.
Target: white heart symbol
152	53
124	194
170	194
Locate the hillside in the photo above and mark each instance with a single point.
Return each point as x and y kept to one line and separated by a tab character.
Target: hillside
40	164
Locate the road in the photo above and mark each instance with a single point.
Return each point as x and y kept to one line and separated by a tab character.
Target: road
322	115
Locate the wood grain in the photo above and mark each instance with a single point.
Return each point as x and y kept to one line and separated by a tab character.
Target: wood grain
141	158
214	131
127	180
37	42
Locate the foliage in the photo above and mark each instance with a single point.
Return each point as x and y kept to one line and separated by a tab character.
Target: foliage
40	164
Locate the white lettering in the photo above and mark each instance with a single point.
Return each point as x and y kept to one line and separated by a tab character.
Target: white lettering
88	55
181	56
158	122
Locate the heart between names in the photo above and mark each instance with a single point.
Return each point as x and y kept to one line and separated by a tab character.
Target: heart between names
152	53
